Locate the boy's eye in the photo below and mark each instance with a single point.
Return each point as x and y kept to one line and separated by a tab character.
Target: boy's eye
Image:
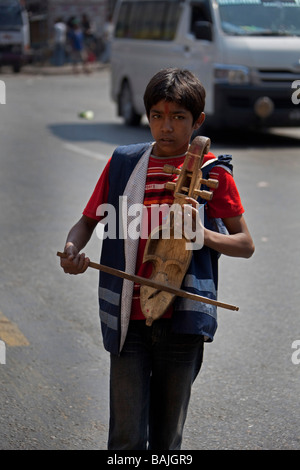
176	116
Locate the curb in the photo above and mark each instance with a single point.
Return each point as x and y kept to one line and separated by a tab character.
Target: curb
62	70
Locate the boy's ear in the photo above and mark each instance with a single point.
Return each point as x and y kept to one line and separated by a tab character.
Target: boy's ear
199	121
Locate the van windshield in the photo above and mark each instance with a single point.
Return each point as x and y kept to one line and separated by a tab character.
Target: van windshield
10	16
260	17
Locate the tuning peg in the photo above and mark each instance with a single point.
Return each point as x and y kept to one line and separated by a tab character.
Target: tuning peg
170	185
172	170
207	195
211	183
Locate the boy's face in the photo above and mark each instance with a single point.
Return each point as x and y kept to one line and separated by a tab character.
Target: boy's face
172	127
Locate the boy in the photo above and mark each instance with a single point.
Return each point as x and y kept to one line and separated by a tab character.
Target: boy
153	368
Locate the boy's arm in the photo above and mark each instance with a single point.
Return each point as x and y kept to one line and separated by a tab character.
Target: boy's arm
238	243
80	234
78	237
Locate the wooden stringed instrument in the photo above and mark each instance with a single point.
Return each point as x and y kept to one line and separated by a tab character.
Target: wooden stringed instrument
165	249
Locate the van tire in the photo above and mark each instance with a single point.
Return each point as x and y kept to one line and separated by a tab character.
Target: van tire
17	68
126	108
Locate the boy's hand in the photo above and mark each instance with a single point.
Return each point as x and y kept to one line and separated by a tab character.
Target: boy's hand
192	224
75	263
187	222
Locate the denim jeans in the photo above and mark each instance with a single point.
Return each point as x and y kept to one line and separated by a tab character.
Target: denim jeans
150	387
59	55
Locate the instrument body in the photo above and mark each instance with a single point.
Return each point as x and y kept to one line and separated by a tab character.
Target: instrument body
167	249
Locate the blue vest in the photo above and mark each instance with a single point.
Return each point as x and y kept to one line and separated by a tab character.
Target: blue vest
201	278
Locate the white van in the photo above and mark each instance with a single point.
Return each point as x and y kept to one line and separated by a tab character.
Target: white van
245	52
14	34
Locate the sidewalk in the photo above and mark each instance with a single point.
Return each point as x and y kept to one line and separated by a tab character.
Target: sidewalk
48	69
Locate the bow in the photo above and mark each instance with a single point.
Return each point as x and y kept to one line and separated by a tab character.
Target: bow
156	285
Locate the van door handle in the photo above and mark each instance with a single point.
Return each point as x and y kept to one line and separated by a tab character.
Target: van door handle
185	48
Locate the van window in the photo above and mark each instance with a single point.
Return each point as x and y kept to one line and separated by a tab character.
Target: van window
152	20
260	17
201	20
10	15
200	12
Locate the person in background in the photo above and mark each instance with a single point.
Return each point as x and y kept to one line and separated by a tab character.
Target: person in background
60	34
89	38
107	36
77	47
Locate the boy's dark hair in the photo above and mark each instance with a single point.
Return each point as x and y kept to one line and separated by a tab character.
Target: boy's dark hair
178	85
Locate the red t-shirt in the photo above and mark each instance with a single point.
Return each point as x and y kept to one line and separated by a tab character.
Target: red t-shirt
225	203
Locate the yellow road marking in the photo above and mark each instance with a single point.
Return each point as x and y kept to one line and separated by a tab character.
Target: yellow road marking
10	333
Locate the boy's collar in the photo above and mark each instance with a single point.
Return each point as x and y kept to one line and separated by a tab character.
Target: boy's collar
169	157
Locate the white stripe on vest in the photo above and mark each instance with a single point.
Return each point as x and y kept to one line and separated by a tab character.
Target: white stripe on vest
134	191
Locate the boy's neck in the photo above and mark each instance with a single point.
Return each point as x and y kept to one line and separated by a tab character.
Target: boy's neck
164	157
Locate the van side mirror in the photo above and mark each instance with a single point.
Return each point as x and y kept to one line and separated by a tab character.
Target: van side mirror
203	30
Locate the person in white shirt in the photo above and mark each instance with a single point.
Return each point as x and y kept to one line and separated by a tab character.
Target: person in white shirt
60	33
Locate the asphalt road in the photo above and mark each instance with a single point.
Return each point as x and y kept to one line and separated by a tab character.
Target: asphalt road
54	385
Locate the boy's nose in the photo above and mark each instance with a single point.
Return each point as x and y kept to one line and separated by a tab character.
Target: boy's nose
167	125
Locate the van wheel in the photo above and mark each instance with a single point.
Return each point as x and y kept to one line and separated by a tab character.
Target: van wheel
17	68
126	107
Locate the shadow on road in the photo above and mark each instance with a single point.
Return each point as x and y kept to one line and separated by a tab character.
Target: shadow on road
119	134
112	133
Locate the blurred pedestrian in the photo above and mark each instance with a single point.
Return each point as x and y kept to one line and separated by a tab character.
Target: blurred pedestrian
77	47
60	32
89	38
107	37
86	26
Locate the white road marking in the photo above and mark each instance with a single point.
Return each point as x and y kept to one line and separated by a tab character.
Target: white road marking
86	152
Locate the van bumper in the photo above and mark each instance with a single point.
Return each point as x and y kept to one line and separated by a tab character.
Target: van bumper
255	107
10	57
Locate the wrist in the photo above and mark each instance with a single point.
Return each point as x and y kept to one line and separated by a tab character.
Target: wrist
70	245
207	237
